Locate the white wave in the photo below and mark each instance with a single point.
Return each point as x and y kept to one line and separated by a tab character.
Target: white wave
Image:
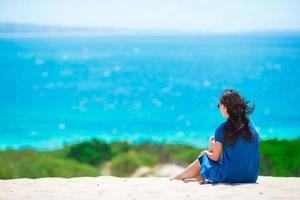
206	83
39	61
157	102
45	74
61	126
66	72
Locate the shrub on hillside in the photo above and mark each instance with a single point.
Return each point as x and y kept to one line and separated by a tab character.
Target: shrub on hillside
125	164
28	163
94	152
280	157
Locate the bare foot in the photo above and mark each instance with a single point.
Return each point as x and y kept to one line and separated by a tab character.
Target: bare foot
175	178
199	178
203	182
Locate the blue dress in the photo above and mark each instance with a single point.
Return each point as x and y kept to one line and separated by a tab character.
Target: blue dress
238	164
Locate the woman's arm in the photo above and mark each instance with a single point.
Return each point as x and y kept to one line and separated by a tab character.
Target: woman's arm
215	151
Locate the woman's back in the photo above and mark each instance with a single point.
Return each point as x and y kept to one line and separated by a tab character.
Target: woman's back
240	162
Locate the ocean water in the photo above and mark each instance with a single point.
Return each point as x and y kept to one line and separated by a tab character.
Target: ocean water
57	90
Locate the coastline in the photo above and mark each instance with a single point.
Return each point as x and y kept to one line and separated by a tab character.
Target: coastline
109	187
94	158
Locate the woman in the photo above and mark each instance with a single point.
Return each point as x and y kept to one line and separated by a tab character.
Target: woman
233	155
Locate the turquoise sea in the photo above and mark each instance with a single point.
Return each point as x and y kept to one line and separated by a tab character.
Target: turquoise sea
57	90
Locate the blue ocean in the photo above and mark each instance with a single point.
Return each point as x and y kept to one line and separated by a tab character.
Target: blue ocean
59	90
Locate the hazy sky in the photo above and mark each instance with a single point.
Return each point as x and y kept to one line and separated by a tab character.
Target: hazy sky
188	15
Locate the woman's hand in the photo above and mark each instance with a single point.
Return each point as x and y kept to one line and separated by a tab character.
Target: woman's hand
204	152
212	140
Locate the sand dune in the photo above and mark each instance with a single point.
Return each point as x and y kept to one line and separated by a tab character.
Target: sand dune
108	187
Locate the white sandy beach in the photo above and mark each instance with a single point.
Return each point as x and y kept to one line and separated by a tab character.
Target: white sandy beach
108	187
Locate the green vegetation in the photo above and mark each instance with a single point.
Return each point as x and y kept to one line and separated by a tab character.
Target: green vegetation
278	158
28	163
124	164
94	152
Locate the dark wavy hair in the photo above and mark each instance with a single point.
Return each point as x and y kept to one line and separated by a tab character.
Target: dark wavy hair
238	110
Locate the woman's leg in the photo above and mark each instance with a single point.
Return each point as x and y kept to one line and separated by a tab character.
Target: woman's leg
192	171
